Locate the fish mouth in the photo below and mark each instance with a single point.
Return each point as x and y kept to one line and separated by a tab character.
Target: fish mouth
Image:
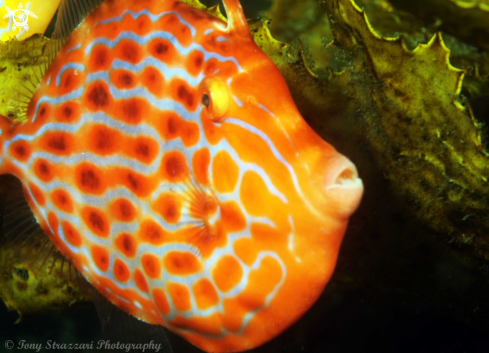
342	185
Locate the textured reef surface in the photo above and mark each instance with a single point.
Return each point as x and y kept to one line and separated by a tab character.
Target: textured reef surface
402	88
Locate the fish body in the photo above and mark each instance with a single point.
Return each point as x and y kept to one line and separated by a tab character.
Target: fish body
164	157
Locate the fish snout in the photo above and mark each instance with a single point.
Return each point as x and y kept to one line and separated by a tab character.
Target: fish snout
342	186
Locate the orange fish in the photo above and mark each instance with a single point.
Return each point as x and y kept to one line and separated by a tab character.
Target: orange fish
164	157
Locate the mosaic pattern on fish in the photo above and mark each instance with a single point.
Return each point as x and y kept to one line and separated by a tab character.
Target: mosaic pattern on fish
165	158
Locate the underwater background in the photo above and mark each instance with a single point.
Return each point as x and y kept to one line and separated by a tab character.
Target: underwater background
412	274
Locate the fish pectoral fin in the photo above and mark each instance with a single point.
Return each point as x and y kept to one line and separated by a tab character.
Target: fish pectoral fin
21	232
119	326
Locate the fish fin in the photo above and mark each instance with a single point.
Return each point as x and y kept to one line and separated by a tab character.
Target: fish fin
23	235
70	14
119	326
236	18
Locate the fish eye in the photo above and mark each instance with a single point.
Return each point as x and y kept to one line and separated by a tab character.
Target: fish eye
205	100
215	97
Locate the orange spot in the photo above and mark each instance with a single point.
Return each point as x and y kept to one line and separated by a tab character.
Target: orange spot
20	150
69	82
261	282
163	50
168	205
123	79
180	296
67	112
123	210
172	126
96	221
43	170
121	271
100	256
138	184
151	266
71	234
205	294
227	273
89	179
225	172
144	149
182	263
200	165
62	200
130	110
128	50
100	59
194	62
97	96
103	140
246	250
254	194
59	143
183	93
161	301
153	80
232	218
174	167
151	232
38	194
140	281
126	244
43	112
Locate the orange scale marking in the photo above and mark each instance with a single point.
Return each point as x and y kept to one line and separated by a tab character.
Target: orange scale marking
181	92
123	79
144	149
173	26
194	62
128	50
58	143
152	233
161	301
68	112
100	59
225	172
151	266
126	244
174	167
182	263
43	112
205	294
171	126
139	184
96	221
20	150
121	271
43	169
152	79
200	165
180	296
71	234
164	51
169	206
89	179
141	281
38	194
103	140
123	210
131	110
70	81
97	97
62	200
232	218
227	273
100	257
